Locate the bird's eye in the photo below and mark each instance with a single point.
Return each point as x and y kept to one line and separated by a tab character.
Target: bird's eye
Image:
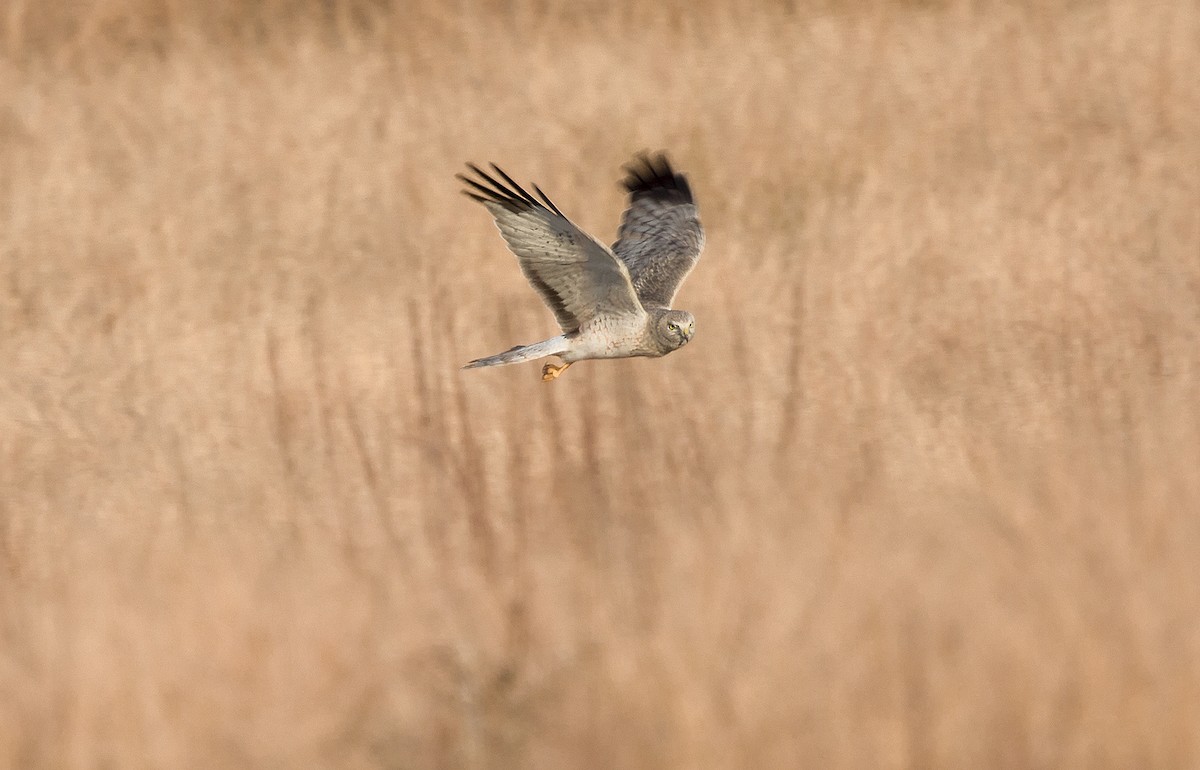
673	327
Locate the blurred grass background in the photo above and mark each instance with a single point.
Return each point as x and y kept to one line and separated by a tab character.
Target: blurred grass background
922	493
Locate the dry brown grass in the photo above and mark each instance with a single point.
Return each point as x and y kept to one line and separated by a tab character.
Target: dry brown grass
923	493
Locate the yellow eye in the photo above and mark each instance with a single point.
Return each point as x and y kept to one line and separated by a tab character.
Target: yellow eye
673	327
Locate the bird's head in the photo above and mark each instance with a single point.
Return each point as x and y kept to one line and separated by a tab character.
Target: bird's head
674	328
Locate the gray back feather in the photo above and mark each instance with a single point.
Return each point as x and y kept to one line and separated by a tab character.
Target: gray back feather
660	237
578	277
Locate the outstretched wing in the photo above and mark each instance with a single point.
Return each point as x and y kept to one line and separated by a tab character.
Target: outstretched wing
579	278
660	237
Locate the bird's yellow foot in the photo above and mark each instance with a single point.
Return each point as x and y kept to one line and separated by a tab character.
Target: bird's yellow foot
551	372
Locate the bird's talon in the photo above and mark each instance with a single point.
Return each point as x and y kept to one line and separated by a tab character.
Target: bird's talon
551	372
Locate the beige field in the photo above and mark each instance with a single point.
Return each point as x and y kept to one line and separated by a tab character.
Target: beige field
923	493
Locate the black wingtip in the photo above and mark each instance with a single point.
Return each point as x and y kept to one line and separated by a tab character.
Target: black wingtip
486	188
546	200
651	174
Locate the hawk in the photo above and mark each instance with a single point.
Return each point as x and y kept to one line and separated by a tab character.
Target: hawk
609	302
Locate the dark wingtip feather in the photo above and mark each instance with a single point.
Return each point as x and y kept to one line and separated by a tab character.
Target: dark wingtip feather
546	200
486	188
513	187
651	174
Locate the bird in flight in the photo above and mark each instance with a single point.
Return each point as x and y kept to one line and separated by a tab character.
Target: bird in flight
609	302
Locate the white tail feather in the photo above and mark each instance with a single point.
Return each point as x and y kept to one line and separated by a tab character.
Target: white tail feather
554	346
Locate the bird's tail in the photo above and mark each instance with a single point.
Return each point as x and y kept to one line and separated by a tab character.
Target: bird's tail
551	347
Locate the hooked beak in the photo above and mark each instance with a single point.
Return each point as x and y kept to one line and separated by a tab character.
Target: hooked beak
687	335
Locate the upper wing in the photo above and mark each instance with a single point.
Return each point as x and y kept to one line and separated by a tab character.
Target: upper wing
660	236
577	277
